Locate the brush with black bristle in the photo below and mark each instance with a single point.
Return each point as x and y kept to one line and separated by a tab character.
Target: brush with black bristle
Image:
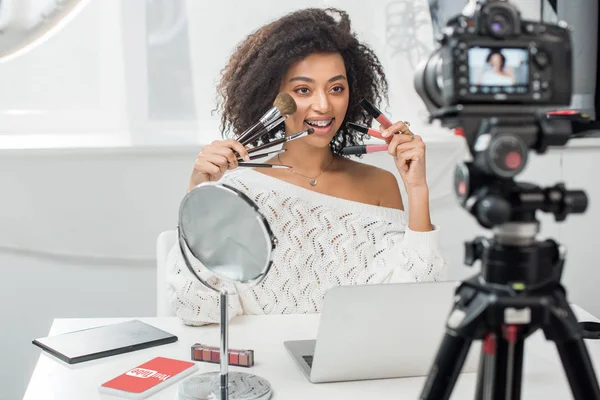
283	140
283	106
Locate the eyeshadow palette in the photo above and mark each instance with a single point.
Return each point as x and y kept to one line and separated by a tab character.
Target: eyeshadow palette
212	354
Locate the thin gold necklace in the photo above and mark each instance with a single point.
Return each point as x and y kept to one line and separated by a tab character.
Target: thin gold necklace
312	180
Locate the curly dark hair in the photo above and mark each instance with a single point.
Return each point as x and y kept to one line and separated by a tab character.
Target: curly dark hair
251	79
492	52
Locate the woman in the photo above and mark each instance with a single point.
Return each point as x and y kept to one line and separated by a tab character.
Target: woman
496	73
347	228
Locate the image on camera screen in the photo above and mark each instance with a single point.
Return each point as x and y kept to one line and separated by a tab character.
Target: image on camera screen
498	70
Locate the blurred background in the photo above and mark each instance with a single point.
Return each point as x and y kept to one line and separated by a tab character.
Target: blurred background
101	123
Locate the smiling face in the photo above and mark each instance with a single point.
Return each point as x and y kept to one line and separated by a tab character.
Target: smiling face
319	85
496	61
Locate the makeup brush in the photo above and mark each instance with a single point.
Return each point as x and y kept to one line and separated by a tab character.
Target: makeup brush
286	103
276	123
283	106
261	155
276	142
262	165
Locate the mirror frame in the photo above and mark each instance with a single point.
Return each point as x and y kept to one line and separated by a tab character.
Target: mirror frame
271	239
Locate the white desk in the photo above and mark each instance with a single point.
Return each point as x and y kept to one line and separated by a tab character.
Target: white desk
52	379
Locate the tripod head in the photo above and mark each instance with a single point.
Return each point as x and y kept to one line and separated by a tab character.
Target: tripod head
486	188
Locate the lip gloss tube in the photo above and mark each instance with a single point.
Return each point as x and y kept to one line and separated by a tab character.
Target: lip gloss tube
375	113
364	149
368	131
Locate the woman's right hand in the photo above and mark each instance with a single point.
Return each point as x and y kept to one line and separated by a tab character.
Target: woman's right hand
215	159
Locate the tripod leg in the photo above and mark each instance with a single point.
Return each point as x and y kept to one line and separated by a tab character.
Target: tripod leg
446	367
564	330
579	370
501	366
487	368
464	323
514	362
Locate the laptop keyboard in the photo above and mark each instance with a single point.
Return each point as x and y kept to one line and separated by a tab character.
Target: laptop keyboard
309	360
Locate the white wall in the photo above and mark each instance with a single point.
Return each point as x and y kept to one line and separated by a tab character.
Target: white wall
78	226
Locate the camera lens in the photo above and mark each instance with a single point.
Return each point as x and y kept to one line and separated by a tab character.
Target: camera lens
500	25
429	80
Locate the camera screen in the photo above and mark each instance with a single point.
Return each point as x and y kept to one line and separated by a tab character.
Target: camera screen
498	70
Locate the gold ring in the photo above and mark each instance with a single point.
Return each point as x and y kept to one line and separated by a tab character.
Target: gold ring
412	135
408	132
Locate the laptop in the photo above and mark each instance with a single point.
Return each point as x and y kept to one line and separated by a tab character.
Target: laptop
379	331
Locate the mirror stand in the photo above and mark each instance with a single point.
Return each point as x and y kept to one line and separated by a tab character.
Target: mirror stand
224	230
222	385
225	385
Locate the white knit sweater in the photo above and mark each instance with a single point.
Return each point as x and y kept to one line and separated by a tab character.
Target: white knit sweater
323	241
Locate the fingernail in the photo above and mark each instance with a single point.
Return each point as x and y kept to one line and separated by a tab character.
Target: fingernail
385	133
246	157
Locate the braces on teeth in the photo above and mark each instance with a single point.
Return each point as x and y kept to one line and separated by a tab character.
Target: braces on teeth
319	123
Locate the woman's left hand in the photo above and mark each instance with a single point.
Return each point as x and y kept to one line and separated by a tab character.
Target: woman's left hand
409	154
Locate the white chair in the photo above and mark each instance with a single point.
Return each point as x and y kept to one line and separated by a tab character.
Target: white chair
165	242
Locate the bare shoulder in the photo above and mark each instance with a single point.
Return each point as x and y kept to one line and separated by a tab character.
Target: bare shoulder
378	181
367	171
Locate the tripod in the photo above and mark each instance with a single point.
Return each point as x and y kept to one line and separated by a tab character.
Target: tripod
517	292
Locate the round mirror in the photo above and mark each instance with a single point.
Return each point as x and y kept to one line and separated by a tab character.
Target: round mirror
225	232
223	229
25	24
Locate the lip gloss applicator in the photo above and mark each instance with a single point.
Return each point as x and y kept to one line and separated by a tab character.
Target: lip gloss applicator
368	131
375	113
373	132
379	116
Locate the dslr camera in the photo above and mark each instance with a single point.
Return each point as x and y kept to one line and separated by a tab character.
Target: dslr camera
495	58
